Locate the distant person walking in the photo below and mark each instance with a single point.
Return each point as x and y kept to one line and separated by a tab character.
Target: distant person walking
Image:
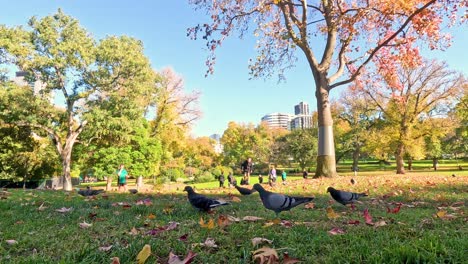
305	174
247	168
272	176
283	176
221	180
122	175
231	180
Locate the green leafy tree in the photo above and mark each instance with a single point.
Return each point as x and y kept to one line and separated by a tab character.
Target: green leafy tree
72	66
301	145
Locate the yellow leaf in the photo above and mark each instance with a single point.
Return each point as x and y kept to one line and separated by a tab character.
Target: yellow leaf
331	214
209	225
441	213
144	254
151	216
235	199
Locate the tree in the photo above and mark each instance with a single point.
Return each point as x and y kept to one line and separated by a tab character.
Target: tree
415	96
337	38
301	144
360	115
175	110
67	61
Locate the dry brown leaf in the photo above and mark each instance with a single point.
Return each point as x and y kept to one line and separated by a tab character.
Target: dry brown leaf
336	231
233	219
309	206
133	232
380	223
235	199
174	259
289	260
223	221
105	249
144	254
251	218
115	260
266	255
259	240
64	210
151	216
42	207
11	241
85	225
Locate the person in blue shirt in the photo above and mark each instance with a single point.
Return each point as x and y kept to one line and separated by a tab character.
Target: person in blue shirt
122	178
283	176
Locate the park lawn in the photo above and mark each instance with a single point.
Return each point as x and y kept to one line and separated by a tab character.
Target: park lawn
429	228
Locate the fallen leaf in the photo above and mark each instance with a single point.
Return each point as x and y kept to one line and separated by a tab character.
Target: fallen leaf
115	260
289	260
168	209
105	249
11	242
353	222
146	201
331	213
151	216
144	254
309	206
394	210
42	207
209	225
336	231
265	255
223	221
64	210
251	218
380	223
209	243
158	230
441	213
85	225
174	259
259	240
235	199
367	217
286	223
183	237
133	232
233	219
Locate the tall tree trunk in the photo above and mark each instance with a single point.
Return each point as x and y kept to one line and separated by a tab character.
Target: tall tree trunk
326	166
66	165
356	151
410	163
400	167
435	163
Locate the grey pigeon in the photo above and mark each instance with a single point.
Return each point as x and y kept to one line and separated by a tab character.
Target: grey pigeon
244	191
89	192
344	197
279	202
201	202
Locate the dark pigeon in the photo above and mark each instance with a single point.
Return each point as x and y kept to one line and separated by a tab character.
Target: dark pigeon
201	202
353	181
344	197
89	192
133	191
279	202
244	191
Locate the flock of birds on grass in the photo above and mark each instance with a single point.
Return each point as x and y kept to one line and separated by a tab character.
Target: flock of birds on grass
276	202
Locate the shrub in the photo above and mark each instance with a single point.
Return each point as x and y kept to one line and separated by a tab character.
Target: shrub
206	176
173	174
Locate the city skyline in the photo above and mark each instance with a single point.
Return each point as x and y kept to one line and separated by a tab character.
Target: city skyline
229	94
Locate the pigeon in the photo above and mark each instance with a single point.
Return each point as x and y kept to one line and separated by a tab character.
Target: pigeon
279	202
201	202
344	197
133	191
89	192
353	181
244	191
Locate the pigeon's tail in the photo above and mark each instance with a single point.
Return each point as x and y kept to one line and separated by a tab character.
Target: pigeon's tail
362	194
295	201
218	203
244	191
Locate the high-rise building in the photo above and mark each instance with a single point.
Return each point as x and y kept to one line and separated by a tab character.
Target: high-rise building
303	119
301	109
20	79
278	120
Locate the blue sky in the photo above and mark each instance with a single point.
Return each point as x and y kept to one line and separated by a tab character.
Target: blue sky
228	95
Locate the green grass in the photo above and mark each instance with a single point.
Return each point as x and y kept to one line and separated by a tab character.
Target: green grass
414	235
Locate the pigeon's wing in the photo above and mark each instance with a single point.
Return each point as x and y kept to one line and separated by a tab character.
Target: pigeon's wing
275	201
204	203
344	197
